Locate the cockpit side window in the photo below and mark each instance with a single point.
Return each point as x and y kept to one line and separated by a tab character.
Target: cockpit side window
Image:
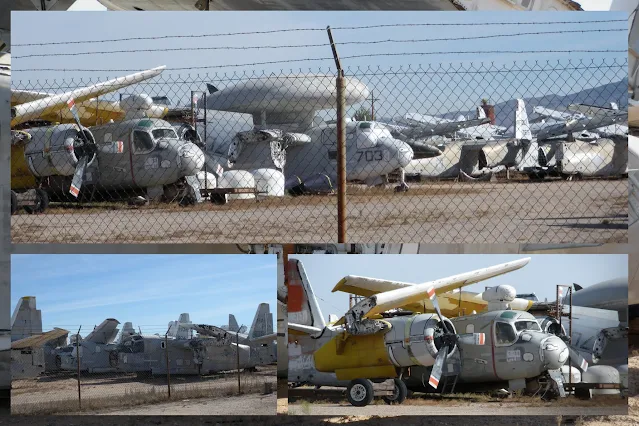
527	325
164	133
504	334
366	137
142	142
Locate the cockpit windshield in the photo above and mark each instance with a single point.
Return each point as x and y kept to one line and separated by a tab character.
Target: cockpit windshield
142	142
164	133
527	325
366	136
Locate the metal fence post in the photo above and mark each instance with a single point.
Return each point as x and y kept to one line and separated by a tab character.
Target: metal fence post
168	371
77	353
237	351
341	146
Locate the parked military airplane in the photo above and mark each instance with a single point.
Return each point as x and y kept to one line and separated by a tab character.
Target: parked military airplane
474	158
148	354
260	338
592	141
369	341
284	137
97	350
64	156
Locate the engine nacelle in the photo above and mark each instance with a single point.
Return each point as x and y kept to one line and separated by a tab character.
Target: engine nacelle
55	150
551	325
500	293
416	340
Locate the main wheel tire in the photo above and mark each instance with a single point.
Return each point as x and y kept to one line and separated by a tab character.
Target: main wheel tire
14	202
399	395
41	202
360	392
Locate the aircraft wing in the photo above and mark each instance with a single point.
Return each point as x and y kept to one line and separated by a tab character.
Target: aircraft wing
303	329
23	96
425	130
547	112
104	333
595	111
388	294
264	339
587	123
52	104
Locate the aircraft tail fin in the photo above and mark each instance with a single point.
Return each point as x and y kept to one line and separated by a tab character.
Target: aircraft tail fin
303	308
233	326
212	89
105	332
127	330
26	320
262	322
522	125
480	113
182	328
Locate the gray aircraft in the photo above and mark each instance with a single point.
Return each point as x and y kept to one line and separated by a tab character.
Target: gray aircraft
97	350
287	136
318	356
147	354
468	159
139	153
593	141
260	338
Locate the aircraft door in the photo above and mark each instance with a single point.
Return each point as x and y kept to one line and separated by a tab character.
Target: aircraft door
113	169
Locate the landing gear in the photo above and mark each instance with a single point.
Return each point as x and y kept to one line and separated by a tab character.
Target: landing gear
40	204
402	187
399	393
14	203
360	392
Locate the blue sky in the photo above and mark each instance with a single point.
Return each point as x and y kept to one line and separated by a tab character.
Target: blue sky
453	93
148	290
540	276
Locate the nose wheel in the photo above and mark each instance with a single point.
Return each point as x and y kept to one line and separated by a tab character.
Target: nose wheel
402	187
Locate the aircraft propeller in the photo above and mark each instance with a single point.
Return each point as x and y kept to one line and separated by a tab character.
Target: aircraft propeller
87	151
450	338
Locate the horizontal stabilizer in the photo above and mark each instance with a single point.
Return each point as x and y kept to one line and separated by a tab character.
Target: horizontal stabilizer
307	329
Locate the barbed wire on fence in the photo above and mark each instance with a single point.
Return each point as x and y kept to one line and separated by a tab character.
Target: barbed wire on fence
324	45
285	30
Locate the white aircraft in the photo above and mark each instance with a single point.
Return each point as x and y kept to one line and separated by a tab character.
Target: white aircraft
287	136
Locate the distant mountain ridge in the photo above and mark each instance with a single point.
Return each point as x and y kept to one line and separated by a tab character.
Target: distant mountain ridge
598	96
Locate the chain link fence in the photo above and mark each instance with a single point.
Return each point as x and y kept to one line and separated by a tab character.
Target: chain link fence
136	370
532	151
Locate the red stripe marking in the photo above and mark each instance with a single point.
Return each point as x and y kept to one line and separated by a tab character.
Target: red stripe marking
74	191
433	382
481	338
71	103
431	292
295	289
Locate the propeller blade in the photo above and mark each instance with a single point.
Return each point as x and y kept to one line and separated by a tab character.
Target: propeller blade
472	338
433	298
76	183
436	372
577	360
74	112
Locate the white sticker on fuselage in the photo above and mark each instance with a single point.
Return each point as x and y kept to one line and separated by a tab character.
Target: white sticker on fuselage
512	356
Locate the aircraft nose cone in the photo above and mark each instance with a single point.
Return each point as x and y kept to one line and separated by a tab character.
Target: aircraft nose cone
192	159
555	352
404	154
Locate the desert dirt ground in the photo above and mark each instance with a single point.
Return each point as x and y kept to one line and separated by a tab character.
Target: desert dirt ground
442	212
34	394
257	405
601	413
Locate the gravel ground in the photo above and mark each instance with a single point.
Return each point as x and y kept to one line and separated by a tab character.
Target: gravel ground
260	405
547	212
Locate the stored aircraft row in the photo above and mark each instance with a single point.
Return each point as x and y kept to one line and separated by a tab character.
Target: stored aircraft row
108	349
